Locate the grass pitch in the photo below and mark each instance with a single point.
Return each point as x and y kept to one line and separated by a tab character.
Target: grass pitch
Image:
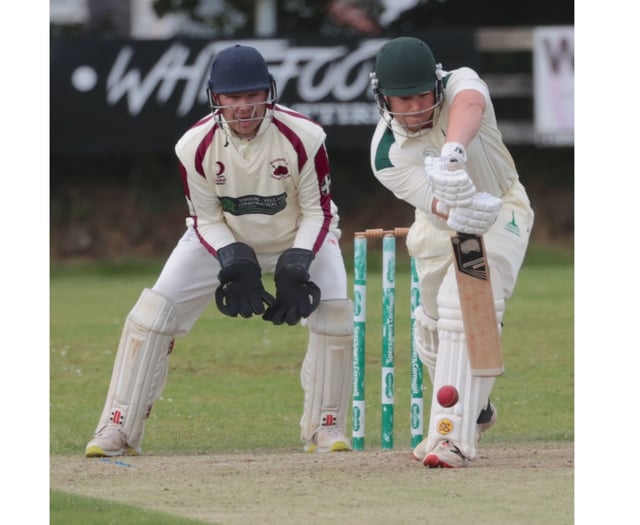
234	389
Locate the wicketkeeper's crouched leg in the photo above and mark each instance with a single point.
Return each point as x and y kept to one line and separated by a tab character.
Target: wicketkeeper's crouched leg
138	378
326	377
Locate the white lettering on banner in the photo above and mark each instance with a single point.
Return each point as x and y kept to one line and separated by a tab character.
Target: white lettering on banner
344	114
299	63
166	73
553	74
322	72
319	73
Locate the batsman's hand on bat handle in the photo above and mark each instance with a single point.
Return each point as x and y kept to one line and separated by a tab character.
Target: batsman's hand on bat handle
477	218
241	290
448	181
296	295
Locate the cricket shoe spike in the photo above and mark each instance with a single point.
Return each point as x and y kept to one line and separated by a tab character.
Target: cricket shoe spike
109	441
328	439
445	455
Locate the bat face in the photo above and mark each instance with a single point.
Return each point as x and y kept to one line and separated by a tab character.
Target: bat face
478	308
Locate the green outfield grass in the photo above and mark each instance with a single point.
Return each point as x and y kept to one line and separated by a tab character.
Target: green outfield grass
234	383
96	511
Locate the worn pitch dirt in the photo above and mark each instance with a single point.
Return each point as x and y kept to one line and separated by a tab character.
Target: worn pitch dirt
509	483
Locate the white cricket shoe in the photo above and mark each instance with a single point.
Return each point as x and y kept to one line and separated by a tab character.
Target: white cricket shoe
444	455
109	441
485	421
328	439
420	451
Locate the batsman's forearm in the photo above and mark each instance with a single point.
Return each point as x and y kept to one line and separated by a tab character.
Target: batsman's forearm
465	117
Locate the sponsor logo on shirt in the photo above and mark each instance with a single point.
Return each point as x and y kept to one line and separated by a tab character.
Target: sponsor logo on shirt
254	204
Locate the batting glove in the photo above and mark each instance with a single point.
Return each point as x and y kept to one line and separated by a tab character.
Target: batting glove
454	151
449	183
476	218
296	295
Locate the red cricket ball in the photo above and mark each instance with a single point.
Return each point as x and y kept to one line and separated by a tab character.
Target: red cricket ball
447	396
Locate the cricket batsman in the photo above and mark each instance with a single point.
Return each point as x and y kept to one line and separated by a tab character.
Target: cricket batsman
437	147
257	182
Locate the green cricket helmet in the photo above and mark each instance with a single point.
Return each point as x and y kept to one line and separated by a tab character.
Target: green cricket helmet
405	66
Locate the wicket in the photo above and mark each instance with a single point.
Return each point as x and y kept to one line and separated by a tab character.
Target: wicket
388	341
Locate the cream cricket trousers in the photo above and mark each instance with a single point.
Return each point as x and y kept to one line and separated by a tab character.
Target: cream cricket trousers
190	276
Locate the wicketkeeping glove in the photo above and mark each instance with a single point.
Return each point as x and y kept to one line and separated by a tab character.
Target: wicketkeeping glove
296	295
241	290
476	218
448	181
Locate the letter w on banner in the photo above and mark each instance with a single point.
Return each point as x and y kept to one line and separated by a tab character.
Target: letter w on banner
553	80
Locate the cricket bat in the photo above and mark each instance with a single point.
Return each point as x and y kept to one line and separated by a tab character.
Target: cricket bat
478	309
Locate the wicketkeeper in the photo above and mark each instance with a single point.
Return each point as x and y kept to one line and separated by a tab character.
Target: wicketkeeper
431	120
257	182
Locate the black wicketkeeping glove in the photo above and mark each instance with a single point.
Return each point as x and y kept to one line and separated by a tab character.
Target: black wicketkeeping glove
240	291
296	295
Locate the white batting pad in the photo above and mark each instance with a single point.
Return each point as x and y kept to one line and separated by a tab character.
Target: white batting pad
426	340
458	423
141	365
326	373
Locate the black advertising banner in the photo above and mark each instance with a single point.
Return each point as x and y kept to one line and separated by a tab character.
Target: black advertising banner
137	96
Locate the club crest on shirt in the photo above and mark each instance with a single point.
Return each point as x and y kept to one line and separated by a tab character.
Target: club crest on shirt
430	151
279	169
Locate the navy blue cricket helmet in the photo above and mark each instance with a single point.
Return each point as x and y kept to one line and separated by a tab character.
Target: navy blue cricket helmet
239	69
